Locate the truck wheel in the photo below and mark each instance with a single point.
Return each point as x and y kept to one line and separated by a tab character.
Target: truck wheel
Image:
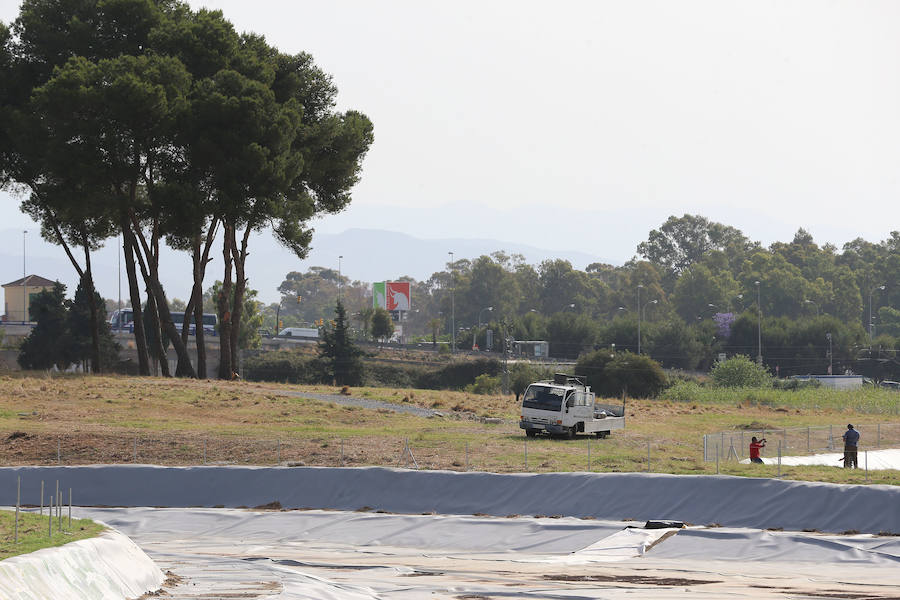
570	432
602	434
531	432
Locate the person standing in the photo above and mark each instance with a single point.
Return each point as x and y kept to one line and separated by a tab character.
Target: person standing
851	443
754	449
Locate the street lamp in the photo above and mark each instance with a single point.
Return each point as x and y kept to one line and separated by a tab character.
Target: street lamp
452	310
474	336
830	355
758	326
814	304
871	322
639	288
644	314
340	279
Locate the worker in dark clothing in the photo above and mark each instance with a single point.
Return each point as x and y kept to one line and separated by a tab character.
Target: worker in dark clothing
851	442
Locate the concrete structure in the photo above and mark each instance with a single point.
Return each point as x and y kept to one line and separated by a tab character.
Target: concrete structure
15	296
837	382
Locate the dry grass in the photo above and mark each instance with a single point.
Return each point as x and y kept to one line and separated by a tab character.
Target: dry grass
164	421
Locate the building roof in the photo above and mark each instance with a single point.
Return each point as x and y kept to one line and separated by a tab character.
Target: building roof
31	281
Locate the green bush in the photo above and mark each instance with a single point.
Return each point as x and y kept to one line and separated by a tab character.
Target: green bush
683	391
284	366
794	385
740	371
484	384
609	374
636	375
458	374
521	375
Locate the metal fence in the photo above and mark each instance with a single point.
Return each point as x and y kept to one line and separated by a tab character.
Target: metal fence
735	444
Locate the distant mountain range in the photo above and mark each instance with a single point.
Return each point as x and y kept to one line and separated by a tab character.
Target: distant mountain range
368	255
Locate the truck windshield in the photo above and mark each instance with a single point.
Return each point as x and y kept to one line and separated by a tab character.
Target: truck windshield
543	397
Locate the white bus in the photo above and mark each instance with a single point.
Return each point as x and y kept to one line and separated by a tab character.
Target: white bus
123	320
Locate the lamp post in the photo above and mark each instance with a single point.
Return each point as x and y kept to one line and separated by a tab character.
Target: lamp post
741	298
814	304
25	283
758	326
830	355
644	314
639	288
871	322
474	336
340	280
452	310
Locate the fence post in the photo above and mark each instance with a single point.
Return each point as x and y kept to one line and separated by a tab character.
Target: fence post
589	454
807	440
279	451
50	518
526	455
717	460
42	498
742	443
204	452
134	454
58	454
779	458
867	466
70	509
342	452
878	440
467	457
18	500
831	437
705	453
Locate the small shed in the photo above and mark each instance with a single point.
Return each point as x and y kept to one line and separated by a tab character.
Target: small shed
16	292
536	348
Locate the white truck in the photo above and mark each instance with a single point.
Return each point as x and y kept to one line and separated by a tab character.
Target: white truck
566	406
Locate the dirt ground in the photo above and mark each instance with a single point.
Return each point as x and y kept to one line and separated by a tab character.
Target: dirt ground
86	420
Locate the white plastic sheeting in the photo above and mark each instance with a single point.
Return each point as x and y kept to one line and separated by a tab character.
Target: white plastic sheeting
292	555
700	499
875	460
109	566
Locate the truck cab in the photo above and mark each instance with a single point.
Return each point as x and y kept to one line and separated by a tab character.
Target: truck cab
566	406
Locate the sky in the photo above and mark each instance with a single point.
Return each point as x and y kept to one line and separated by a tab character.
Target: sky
583	125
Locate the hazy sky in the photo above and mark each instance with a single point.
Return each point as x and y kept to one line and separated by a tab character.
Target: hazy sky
583	125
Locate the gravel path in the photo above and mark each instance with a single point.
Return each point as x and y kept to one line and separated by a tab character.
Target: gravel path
360	402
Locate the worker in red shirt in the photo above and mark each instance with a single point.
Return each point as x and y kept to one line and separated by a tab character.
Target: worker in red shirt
754	449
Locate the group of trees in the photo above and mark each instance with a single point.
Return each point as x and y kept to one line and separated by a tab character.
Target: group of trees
62	336
692	293
147	120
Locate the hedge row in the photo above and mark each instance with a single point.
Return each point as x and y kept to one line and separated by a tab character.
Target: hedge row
295	367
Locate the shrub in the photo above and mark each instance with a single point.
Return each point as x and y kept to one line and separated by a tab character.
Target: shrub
637	375
796	384
458	374
283	365
484	384
683	391
740	371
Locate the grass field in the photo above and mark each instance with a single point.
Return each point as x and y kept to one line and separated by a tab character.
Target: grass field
164	421
33	532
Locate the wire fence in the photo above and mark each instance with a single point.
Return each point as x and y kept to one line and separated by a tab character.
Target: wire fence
735	445
504	452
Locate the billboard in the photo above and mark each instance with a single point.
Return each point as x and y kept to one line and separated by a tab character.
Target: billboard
391	295
378	295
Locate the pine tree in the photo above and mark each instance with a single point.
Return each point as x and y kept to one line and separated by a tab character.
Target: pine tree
339	356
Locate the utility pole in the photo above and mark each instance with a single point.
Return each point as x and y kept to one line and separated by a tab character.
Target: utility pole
452	309
758	327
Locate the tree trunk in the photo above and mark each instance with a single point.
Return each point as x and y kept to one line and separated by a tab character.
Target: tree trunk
240	287
154	287
140	340
159	349
200	262
88	284
223	302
